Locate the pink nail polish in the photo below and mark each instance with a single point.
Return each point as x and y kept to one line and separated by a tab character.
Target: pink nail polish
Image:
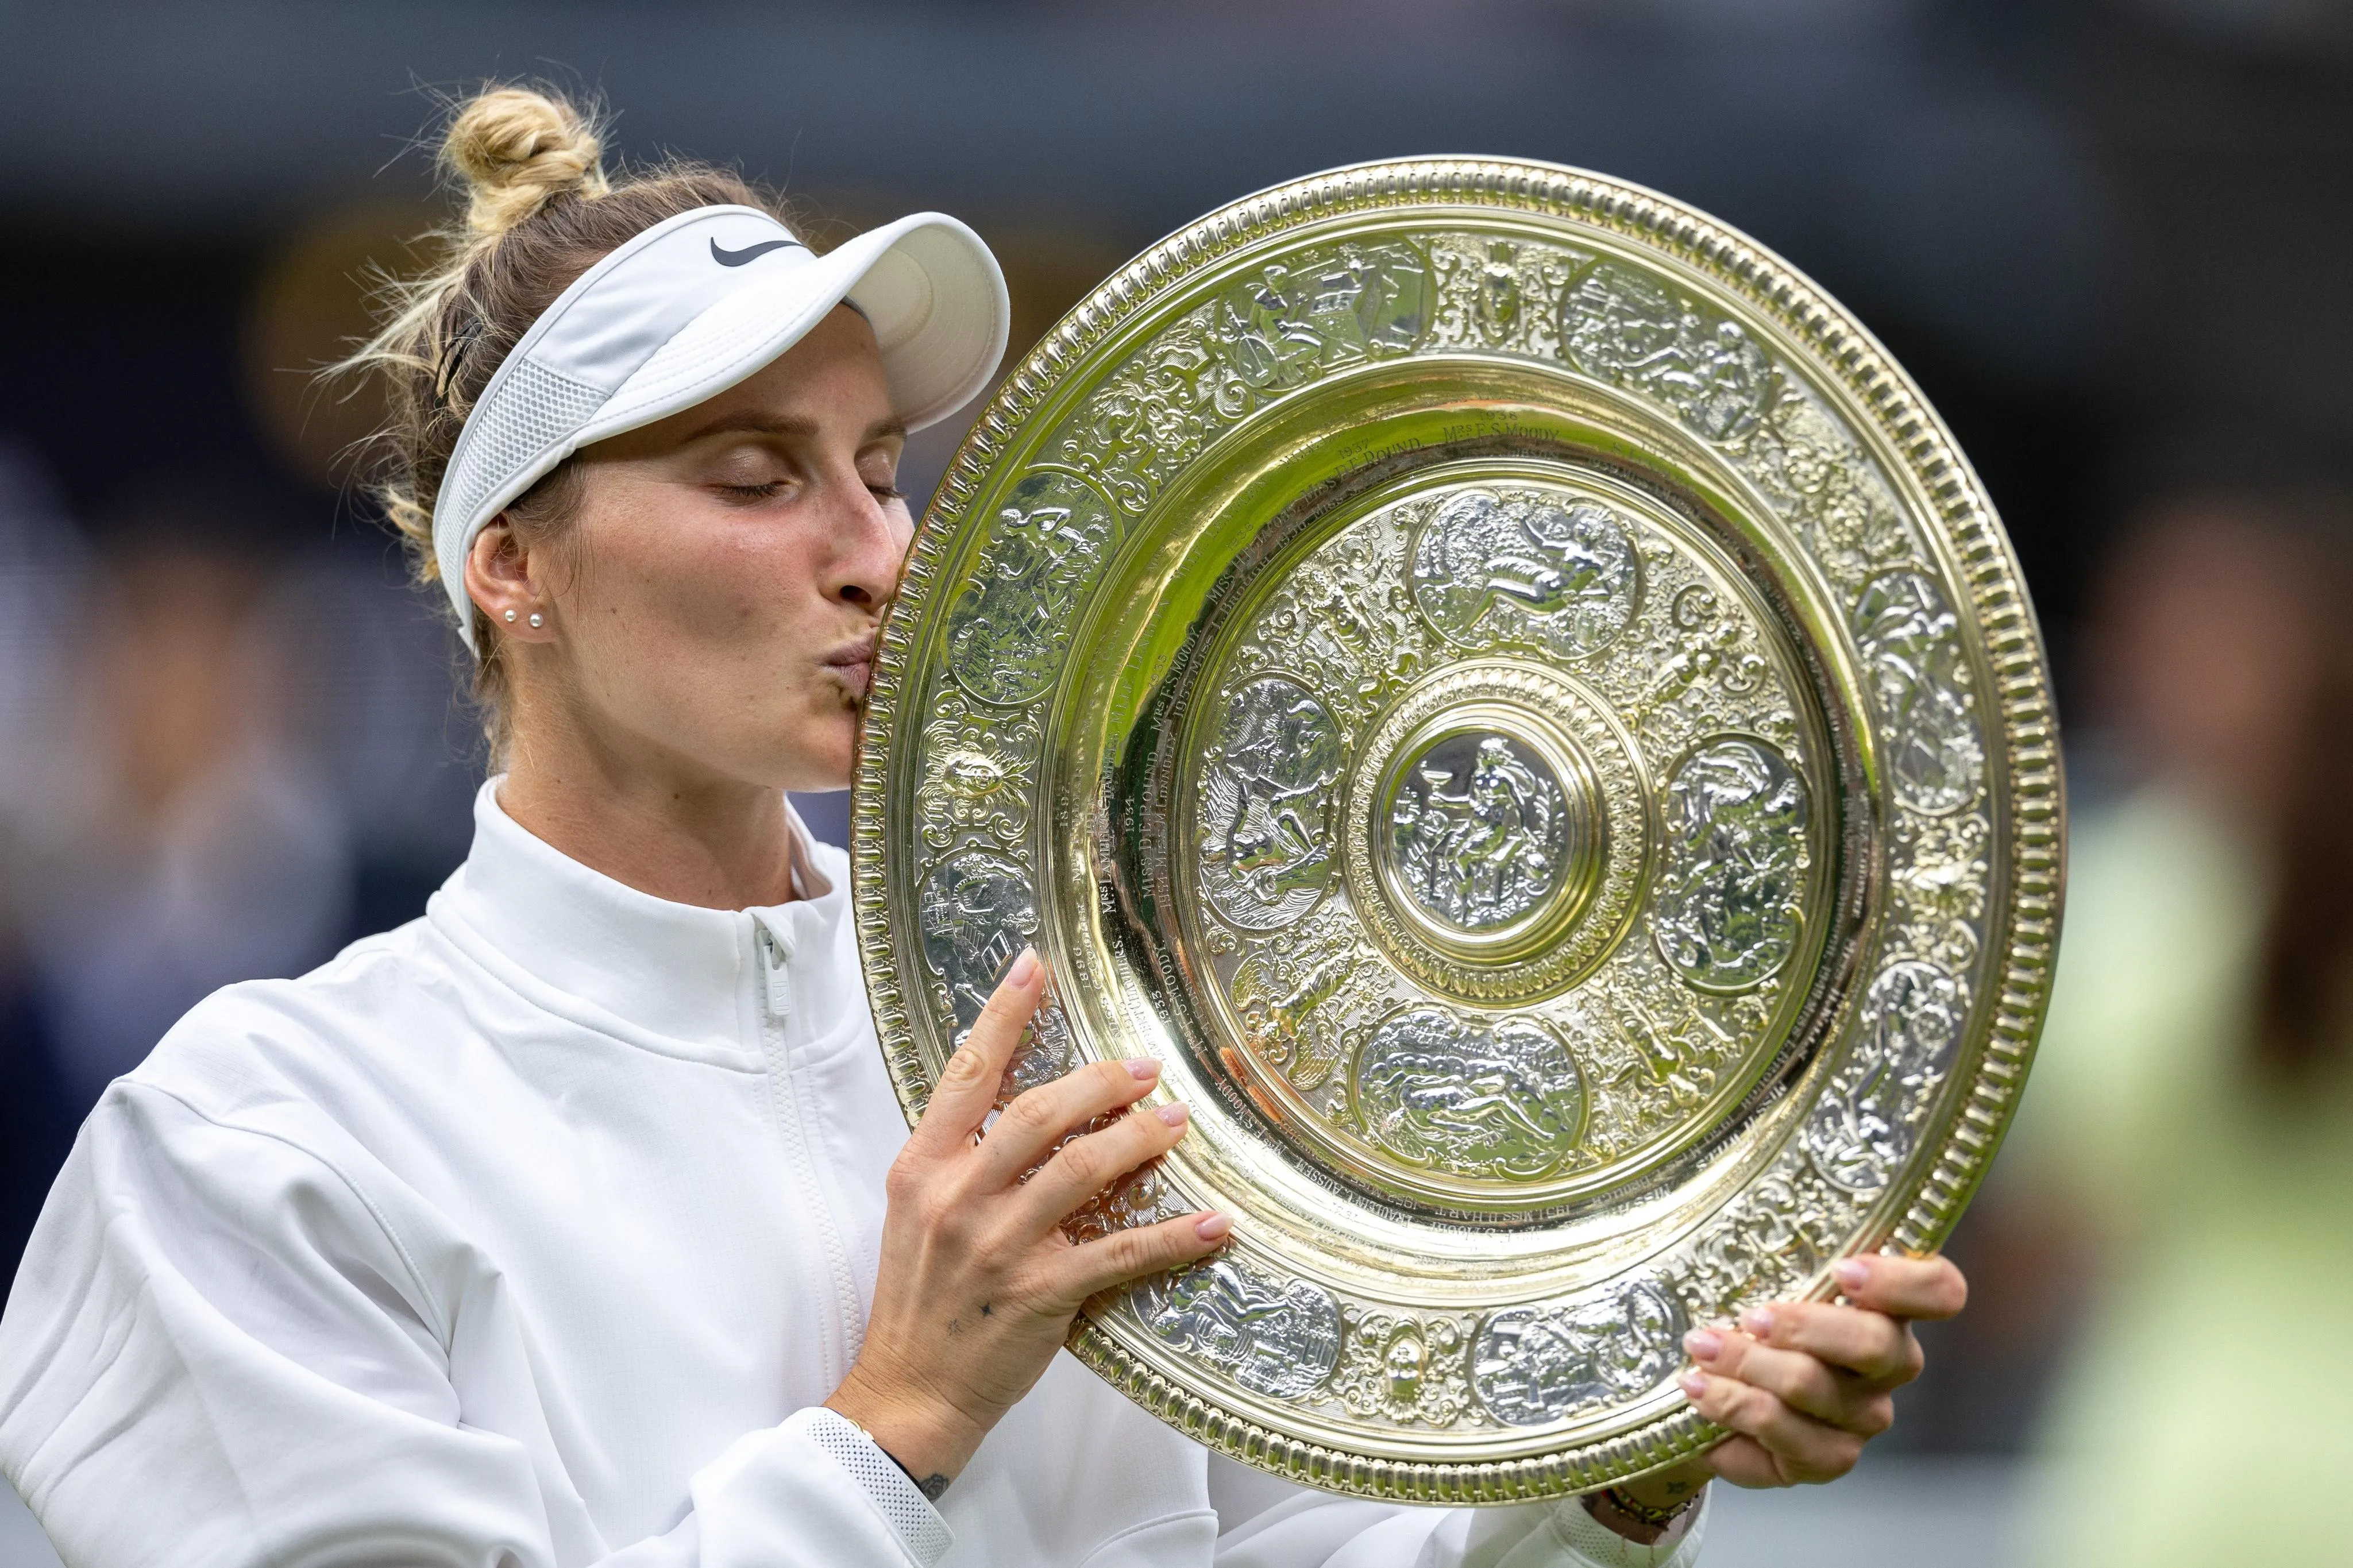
1212	1227
1757	1322
1693	1384
1852	1272
1702	1343
1025	968
1174	1115
1144	1068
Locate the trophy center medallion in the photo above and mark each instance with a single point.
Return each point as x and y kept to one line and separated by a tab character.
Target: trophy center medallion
1481	833
1492	829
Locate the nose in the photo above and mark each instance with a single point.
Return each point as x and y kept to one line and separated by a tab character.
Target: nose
872	537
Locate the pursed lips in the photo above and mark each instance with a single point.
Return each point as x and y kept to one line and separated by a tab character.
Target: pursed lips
854	664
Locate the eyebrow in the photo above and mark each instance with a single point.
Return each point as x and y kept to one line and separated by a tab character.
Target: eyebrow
751	421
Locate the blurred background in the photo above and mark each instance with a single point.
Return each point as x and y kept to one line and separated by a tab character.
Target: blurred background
2108	237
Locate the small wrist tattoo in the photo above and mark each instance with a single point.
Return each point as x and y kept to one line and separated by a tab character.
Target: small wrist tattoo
930	1486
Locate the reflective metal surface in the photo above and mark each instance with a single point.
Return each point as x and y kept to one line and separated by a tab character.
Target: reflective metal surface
1511	696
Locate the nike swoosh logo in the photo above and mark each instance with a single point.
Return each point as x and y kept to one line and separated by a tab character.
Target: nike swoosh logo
738	257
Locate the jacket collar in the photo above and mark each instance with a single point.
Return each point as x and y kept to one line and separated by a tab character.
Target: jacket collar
678	971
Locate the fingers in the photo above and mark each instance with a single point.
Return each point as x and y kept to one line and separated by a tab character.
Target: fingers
1126	1255
1042	1118
1919	1287
1880	1351
1804	1385
1798	1380
1745	1462
1085	1167
967	1091
1796	1447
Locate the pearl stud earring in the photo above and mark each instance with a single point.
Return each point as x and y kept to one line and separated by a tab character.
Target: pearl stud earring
535	620
509	618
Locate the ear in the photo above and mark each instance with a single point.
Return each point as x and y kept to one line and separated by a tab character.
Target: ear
500	579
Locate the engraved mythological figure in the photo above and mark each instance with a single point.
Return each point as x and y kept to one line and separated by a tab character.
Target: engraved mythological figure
1938	876
1869	1116
1265	804
1499	294
1344	620
1140	1197
1806	459
1280	1338
1280	1003
1705	643
1534	1364
978	913
1912	647
1757	1246
1404	1368
1295	320
1501	1102
1009	627
1620	326
1045	1053
1150	419
1479	830
1491	566
1670	1043
1312	312
978	763
1727	906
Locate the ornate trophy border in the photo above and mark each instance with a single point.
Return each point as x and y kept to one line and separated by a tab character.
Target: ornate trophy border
2021	921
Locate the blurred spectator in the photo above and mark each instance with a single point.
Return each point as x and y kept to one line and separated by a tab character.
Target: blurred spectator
41	574
172	836
2192	1105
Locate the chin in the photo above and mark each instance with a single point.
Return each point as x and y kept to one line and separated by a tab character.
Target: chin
824	754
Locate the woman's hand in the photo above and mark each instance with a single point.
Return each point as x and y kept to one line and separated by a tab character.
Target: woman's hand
1805	1384
1802	1385
977	1284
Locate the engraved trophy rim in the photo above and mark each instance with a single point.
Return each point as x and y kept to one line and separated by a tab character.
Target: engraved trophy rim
1431	1344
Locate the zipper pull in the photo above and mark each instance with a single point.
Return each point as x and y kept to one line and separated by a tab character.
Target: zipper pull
775	950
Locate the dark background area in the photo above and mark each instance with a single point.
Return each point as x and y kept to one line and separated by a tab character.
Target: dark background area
2108	239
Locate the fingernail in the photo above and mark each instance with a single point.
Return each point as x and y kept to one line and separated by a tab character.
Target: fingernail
1852	1272
1702	1343
1212	1227
1174	1115
1693	1384
1757	1322
1025	968
1143	1067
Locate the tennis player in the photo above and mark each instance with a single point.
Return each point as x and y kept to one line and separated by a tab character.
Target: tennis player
575	1222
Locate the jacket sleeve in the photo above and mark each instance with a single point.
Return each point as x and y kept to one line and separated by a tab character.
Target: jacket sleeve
1310	1529
220	1351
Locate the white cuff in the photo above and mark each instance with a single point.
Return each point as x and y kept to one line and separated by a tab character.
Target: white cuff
912	1517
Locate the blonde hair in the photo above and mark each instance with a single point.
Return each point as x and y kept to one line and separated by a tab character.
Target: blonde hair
539	211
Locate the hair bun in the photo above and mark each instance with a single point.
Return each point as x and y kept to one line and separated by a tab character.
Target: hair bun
517	149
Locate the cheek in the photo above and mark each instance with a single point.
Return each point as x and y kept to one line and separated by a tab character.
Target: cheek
696	587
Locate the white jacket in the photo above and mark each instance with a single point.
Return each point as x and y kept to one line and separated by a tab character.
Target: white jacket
533	1234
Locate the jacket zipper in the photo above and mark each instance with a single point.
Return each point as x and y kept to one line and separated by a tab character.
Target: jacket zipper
774	950
772	958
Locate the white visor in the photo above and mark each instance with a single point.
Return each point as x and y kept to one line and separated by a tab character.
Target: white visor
690	307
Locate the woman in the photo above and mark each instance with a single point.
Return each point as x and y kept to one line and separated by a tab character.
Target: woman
2192	1103
574	1222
